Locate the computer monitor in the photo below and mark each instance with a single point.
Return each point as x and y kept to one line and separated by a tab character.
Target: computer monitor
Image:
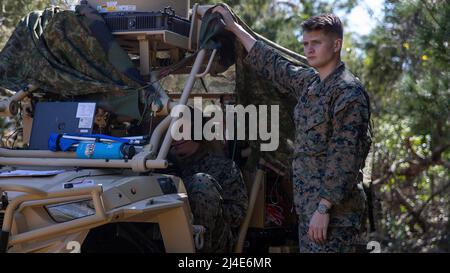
60	118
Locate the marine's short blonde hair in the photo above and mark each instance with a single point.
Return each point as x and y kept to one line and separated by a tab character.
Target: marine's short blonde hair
329	23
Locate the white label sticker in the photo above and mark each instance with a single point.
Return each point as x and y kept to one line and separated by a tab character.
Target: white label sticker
86	110
85	123
126	8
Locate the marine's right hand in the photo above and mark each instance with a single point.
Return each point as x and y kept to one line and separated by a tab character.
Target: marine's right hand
228	19
242	35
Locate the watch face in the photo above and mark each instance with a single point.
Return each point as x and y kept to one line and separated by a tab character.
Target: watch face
322	209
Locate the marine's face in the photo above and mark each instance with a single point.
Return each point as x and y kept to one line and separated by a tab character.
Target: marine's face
320	49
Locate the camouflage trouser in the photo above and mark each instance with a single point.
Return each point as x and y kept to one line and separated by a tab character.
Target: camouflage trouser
206	205
339	240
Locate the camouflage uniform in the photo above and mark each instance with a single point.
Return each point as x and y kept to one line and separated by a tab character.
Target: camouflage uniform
217	196
331	143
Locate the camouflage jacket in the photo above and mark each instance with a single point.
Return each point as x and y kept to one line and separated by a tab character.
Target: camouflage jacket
331	134
231	184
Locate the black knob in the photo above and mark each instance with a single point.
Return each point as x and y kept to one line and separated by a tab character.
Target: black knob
127	150
132	24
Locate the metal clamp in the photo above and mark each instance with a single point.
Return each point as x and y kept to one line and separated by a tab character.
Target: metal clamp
199	237
10	107
169	11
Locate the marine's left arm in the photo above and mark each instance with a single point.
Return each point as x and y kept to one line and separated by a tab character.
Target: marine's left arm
345	155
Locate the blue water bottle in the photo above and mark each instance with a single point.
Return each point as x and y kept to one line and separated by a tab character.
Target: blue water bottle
100	150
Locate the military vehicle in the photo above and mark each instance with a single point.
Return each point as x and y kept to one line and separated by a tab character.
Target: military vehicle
60	202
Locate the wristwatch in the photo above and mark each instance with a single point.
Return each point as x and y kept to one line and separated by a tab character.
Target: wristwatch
323	209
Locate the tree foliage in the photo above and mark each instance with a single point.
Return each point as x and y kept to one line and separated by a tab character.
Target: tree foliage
11	11
406	70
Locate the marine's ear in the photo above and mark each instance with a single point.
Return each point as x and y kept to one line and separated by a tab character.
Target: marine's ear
337	45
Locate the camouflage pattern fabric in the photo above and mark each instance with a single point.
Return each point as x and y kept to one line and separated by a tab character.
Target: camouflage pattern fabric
73	54
331	135
339	240
213	36
115	54
252	89
217	196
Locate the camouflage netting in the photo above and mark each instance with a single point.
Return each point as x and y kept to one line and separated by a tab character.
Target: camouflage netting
252	89
73	54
